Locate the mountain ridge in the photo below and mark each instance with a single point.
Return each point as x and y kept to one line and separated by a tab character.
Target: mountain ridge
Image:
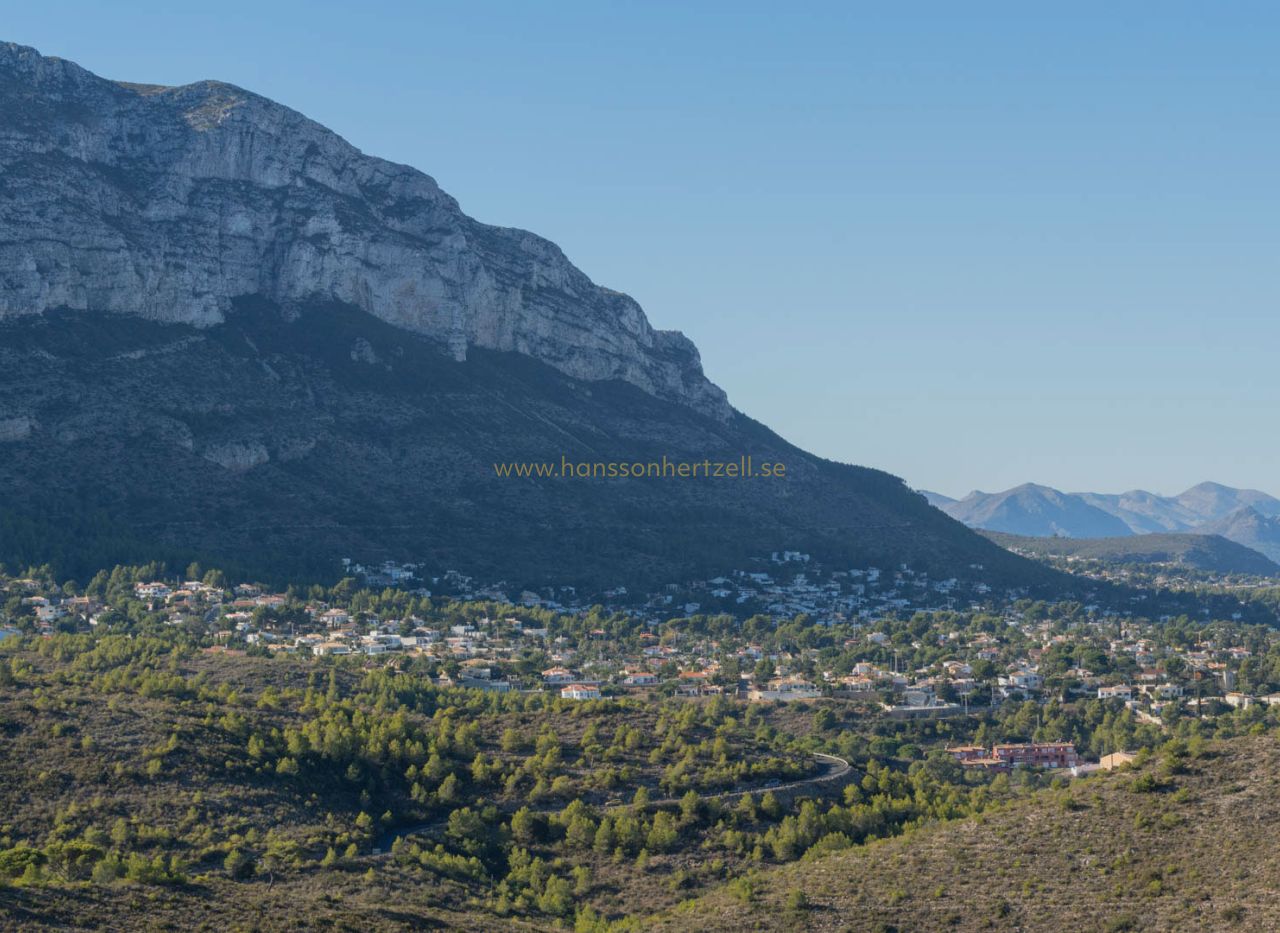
1246	516
1030	509
262	201
1250	527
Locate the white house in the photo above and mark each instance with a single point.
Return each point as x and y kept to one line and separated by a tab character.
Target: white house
786	689
1116	692
1022	680
335	618
555	676
50	613
330	649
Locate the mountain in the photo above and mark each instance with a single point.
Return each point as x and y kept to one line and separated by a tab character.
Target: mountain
1208	552
1246	516
1212	501
936	499
1144	512
1206	502
226	333
1035	511
171	204
1251	528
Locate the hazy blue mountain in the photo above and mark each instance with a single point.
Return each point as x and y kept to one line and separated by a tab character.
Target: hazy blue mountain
1144	512
1212	501
1246	516
1036	511
1248	526
936	499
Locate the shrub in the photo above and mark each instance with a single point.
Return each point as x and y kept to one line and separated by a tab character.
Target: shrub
14	862
1145	784
239	865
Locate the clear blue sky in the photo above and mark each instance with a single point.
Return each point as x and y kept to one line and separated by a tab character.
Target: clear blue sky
970	243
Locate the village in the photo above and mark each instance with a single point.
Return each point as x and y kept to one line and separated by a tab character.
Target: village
888	644
785	583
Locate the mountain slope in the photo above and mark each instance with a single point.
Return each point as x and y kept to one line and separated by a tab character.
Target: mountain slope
1212	501
1144	512
1208	552
1251	528
225	332
1111	853
269	440
1036	511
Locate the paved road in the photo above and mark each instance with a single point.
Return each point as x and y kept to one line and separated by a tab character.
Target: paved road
833	769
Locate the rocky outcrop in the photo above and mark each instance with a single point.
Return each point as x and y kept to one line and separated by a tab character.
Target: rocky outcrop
172	203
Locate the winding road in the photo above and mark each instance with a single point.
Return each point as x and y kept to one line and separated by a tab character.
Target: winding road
834	768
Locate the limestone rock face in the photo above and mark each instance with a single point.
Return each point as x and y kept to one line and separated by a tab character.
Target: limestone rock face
170	203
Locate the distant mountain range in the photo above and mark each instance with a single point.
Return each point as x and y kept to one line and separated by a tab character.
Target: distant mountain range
1037	511
1245	516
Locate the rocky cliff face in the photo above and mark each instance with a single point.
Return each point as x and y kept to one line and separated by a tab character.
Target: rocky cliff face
171	204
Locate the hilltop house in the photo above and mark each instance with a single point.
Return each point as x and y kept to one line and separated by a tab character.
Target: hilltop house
785	689
1023	755
693	683
1116	692
335	618
330	649
1038	755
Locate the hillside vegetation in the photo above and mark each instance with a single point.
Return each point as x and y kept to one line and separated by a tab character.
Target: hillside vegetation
1181	841
1211	553
159	770
141	776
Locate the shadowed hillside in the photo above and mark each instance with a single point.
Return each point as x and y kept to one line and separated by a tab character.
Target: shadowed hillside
280	443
